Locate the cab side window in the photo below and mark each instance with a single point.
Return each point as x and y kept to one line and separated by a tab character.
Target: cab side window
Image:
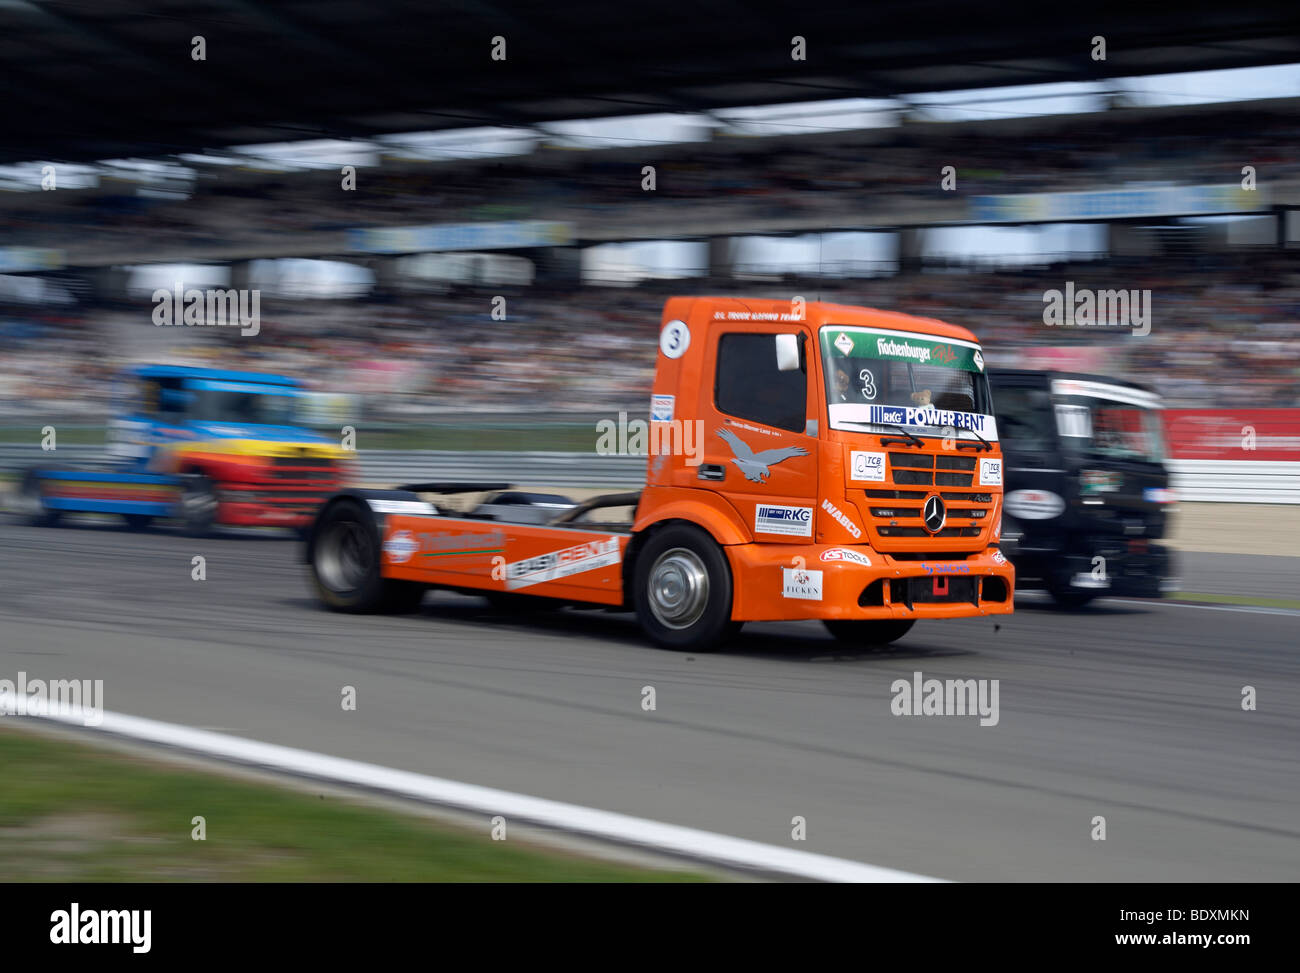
748	384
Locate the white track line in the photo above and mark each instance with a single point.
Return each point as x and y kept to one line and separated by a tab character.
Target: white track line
622	828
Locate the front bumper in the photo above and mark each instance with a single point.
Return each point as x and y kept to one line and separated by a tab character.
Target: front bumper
775	582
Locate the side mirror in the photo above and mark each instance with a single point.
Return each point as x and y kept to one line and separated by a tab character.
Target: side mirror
787	353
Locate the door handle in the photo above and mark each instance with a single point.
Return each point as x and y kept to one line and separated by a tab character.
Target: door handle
712	471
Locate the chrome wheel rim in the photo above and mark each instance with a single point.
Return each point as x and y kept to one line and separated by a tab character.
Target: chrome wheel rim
678	588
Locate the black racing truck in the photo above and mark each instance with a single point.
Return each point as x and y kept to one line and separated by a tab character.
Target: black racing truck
1087	496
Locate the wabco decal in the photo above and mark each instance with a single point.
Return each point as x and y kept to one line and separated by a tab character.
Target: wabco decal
842	518
562	564
772	519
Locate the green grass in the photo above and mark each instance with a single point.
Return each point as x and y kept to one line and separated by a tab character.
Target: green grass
1252	600
74	813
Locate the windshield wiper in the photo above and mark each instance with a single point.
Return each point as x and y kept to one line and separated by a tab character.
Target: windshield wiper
986	445
910	440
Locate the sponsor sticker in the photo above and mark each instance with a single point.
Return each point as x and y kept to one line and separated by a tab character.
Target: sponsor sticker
999	557
842	518
990	472
867	466
563	563
1034	504
774	519
801	583
948	567
661	408
844	343
844	554
400	547
1159	495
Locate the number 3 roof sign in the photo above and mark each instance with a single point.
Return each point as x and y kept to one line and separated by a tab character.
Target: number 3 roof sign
674	339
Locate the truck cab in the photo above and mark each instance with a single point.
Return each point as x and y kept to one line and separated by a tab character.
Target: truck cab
1088	496
206	446
806	461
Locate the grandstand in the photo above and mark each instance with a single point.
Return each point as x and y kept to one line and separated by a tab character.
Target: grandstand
1161	186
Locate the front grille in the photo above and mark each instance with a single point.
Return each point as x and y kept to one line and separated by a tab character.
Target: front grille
922	532
951	476
934	589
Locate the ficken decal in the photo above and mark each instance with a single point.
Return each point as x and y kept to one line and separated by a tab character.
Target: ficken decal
842	518
562	564
801	583
990	472
771	518
866	466
844	554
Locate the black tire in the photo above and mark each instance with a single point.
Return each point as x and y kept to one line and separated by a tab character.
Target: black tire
869	631
344	564
198	505
32	503
137	521
682	590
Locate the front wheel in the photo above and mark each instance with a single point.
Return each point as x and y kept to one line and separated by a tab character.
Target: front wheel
345	568
683	590
868	631
198	506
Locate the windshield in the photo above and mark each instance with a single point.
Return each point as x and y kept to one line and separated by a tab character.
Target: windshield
876	379
1108	421
232	402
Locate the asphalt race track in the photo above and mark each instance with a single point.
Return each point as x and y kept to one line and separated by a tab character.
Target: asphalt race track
1128	710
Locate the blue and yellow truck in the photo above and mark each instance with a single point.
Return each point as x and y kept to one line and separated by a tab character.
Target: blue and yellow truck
203	446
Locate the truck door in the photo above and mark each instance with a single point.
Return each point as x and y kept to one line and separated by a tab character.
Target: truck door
760	436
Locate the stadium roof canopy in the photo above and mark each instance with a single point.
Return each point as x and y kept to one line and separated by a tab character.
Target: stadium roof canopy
82	80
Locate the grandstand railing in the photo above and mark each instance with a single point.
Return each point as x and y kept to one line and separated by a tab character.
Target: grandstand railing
1209	481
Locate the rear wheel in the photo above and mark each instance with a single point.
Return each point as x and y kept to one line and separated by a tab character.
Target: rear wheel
31	501
137	521
345	568
683	590
869	631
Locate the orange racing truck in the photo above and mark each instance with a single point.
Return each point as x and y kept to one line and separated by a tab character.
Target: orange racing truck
806	461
